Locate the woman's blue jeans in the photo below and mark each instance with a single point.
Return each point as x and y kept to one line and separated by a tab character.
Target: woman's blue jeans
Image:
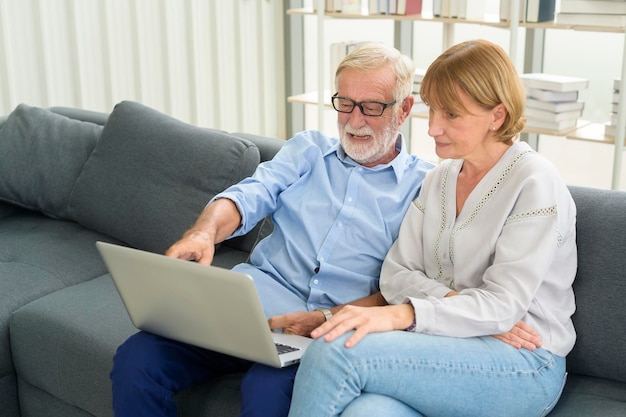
411	374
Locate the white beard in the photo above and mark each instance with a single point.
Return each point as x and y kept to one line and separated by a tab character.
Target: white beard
370	150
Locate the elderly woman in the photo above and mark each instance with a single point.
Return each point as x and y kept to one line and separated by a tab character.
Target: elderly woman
489	242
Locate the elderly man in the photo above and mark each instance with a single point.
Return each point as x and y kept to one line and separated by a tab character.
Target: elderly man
336	205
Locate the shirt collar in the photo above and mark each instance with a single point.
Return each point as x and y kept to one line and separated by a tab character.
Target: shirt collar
398	164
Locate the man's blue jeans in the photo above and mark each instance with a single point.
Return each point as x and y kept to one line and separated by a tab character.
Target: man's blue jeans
411	374
148	371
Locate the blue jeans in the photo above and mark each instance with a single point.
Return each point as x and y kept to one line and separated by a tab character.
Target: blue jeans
149	370
415	374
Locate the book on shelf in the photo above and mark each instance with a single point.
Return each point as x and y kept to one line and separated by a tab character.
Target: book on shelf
613	118
553	82
554	96
373	6
408	7
332	5
441	8
554	106
593	6
461	9
392	7
395	7
615	95
350	6
540	10
505	10
591	19
610	130
558	126
471	9
547	115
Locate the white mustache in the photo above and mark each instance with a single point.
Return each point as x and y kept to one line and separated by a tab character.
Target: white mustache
364	131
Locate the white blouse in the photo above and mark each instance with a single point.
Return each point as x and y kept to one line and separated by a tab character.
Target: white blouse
511	252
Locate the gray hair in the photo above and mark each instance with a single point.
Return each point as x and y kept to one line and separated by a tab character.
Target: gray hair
370	56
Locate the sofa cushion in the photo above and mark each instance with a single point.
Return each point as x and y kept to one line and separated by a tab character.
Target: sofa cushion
586	396
600	284
64	343
42	155
151	175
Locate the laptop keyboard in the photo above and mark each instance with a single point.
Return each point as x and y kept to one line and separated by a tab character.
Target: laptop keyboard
285	348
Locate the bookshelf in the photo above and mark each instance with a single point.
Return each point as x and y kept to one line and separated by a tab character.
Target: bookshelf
584	131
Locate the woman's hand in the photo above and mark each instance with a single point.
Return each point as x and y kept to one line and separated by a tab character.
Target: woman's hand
364	320
521	336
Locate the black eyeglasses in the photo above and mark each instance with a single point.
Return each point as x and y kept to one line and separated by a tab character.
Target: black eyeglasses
368	108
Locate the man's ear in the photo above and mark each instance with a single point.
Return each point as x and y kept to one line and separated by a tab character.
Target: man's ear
405	109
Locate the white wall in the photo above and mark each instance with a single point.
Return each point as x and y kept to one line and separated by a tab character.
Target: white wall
212	63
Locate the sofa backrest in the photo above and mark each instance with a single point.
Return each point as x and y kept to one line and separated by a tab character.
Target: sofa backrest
600	284
142	178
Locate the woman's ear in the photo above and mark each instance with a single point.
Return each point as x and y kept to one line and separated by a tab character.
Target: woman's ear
499	115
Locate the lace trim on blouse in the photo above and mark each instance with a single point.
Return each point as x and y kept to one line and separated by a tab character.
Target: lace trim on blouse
485	198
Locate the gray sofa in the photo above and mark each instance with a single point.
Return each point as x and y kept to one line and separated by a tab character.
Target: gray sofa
70	177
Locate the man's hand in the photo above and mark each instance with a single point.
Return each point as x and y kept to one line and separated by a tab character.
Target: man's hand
521	336
216	222
303	322
193	247
300	322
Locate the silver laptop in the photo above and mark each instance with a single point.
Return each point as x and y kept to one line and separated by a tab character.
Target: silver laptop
205	306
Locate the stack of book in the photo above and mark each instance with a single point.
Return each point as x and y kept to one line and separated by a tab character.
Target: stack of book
552	101
611	128
606	13
418	105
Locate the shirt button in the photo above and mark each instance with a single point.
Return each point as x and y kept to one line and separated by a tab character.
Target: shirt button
316	281
349	199
317	269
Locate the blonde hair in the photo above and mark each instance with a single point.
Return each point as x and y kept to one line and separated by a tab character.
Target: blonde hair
486	74
370	56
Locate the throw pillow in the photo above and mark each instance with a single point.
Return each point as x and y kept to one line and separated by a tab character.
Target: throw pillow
41	156
151	175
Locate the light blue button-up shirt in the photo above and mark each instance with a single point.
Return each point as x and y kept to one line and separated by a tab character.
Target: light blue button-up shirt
334	221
